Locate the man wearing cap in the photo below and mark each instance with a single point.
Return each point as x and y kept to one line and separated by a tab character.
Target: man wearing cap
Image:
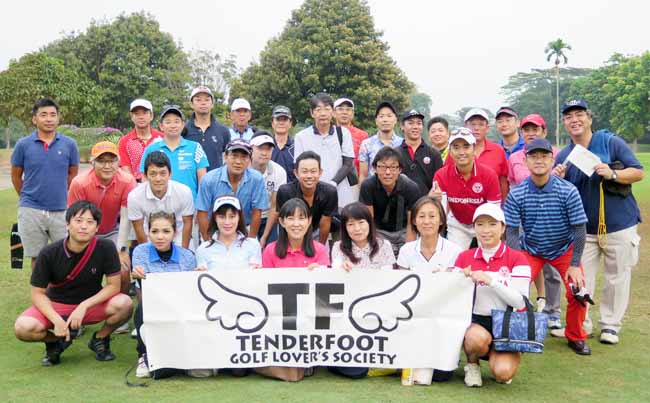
323	138
507	122
107	187
203	128
281	122
550	212
343	114
132	144
385	119
486	152
240	114
233	178
42	167
419	159
187	157
618	240
274	177
463	186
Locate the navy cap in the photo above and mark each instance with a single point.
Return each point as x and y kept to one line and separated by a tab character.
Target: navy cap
175	109
412	114
574	104
239	145
539	145
508	111
385	104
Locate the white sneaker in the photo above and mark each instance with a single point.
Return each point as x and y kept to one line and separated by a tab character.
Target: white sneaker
200	372
122	329
473	375
541	304
608	336
555	324
143	369
557	332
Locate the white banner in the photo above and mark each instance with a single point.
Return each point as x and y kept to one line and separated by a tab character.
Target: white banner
300	318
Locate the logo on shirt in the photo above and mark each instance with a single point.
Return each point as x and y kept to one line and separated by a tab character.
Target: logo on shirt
93	270
477	187
214	139
504	275
426	160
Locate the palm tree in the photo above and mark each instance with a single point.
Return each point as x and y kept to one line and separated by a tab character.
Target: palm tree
556	49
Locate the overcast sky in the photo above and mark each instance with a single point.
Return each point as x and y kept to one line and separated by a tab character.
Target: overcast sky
459	52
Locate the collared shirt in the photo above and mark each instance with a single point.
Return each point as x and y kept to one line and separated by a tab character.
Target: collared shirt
383	259
178	200
274	177
294	258
547	215
331	153
517	168
464	196
358	136
246	135
411	257
420	165
620	212
371	146
185	160
510	274
45	170
213	140
131	148
492	156
110	198
243	253
444	153
325	200
250	191
55	261
390	210
513	149
285	158
146	256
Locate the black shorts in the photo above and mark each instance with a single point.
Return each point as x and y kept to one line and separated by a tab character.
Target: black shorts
486	323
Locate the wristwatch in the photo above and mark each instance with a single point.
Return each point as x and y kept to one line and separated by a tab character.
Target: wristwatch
614	176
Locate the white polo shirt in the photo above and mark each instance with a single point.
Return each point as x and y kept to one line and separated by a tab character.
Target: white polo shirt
410	256
274	177
177	200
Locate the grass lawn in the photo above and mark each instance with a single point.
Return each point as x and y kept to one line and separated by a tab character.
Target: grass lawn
612	373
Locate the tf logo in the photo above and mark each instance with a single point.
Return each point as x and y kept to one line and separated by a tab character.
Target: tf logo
477	187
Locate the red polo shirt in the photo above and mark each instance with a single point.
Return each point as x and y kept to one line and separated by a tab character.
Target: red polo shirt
493	156
109	198
294	258
358	136
464	196
131	149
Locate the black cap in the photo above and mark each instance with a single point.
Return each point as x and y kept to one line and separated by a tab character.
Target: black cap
574	104
385	104
508	111
281	110
412	114
239	145
539	145
175	109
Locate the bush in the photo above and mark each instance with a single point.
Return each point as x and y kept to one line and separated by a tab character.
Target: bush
87	137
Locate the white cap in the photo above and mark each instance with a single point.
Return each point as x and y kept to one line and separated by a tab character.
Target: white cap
261	140
462	133
201	89
476	112
226	200
240	103
141	102
340	101
490	210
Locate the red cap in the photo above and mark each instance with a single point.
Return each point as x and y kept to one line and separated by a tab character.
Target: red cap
535	119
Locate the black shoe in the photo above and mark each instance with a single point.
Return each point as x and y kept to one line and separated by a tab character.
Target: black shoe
53	351
580	347
101	347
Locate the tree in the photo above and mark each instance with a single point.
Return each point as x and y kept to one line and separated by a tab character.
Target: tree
329	46
215	72
555	49
37	75
127	58
421	102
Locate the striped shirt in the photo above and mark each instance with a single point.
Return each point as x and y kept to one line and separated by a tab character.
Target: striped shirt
546	215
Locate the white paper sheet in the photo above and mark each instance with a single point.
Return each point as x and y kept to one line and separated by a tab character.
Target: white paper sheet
583	159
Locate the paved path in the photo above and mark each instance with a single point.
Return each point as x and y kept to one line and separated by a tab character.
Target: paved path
5	174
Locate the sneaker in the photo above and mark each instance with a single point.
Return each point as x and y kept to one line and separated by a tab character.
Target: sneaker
580	347
143	368
554	323
508	382
101	347
134	334
53	352
124	328
473	375
541	304
557	332
200	372
608	336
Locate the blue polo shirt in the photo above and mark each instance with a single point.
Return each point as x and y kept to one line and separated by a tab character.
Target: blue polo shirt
186	159
247	135
285	158
547	215
45	170
146	256
620	212
213	140
251	191
519	146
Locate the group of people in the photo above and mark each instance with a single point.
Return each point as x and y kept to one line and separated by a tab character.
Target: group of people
201	196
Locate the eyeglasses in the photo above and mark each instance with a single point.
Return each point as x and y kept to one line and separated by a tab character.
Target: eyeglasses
322	109
106	162
388	167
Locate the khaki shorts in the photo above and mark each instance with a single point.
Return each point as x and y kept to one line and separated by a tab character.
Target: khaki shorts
37	227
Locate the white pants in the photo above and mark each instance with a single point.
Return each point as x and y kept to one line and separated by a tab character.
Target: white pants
620	255
458	233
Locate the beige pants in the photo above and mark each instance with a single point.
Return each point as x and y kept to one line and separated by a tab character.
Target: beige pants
458	233
620	255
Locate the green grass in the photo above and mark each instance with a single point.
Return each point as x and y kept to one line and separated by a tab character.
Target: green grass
612	373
